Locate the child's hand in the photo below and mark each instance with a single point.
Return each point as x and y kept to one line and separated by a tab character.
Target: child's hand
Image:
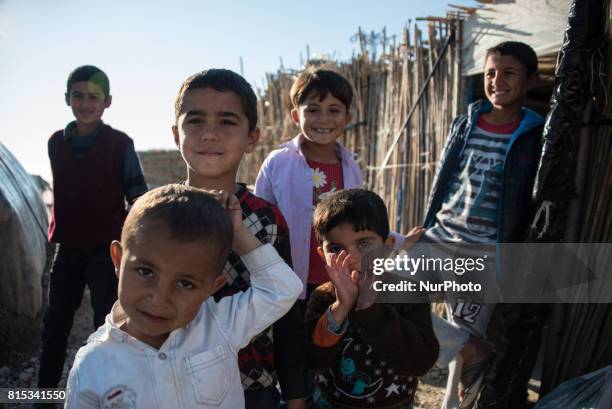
367	295
412	237
346	283
244	241
232	205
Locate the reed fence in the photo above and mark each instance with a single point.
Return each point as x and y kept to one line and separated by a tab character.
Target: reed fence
387	88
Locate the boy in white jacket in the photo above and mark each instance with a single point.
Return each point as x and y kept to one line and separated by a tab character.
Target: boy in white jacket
165	342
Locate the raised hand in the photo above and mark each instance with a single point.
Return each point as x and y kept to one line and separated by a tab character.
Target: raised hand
232	205
244	241
346	282
367	295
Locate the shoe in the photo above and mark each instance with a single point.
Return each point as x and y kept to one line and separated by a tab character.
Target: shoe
472	380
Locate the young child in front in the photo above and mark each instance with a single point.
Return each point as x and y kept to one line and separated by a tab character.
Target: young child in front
367	354
167	343
313	164
216	124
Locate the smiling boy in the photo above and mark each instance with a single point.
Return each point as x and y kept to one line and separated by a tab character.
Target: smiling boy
167	343
216	124
481	194
95	171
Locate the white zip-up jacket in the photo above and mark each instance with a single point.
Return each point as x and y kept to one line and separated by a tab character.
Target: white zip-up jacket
197	366
285	180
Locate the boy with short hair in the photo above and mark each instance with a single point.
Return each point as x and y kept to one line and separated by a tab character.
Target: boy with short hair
367	354
312	165
95	171
216	124
166	342
481	193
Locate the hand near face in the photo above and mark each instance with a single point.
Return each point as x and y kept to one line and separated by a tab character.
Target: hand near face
244	241
232	205
367	295
345	281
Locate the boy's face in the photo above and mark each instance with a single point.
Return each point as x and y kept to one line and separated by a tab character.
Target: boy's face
163	282
321	122
88	102
212	132
356	243
505	81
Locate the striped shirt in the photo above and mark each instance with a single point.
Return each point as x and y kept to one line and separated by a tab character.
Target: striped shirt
469	212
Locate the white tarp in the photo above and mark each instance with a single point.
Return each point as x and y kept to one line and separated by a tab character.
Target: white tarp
539	23
23	245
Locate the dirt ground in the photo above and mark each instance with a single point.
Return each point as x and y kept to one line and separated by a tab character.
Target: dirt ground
22	369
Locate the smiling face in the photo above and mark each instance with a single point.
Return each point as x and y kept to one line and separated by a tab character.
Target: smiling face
212	133
506	81
321	122
163	281
88	102
356	243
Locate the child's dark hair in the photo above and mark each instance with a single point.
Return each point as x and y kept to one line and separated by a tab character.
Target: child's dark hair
362	209
321	82
89	73
221	80
188	213
521	51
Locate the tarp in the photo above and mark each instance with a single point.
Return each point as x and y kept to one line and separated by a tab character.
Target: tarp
590	391
539	23
23	245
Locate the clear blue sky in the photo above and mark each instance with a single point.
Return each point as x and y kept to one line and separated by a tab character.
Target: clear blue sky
149	47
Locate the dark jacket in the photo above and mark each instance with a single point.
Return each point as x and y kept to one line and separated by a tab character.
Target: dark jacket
520	166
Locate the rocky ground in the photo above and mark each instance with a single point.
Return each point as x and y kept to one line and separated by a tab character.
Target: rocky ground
431	389
22	369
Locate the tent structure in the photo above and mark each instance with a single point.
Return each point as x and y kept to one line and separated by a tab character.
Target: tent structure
23	218
24	252
538	23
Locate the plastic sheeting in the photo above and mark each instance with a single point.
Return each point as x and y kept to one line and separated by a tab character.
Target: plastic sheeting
23	245
577	81
578	339
590	391
539	23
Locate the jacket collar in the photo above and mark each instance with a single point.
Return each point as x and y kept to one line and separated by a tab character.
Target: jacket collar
530	119
71	130
112	330
295	145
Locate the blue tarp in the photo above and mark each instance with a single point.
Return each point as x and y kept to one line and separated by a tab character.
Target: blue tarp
590	391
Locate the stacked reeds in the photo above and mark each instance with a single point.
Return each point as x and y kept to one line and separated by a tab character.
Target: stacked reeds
386	89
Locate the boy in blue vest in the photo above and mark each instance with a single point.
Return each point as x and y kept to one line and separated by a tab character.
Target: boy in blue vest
95	171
